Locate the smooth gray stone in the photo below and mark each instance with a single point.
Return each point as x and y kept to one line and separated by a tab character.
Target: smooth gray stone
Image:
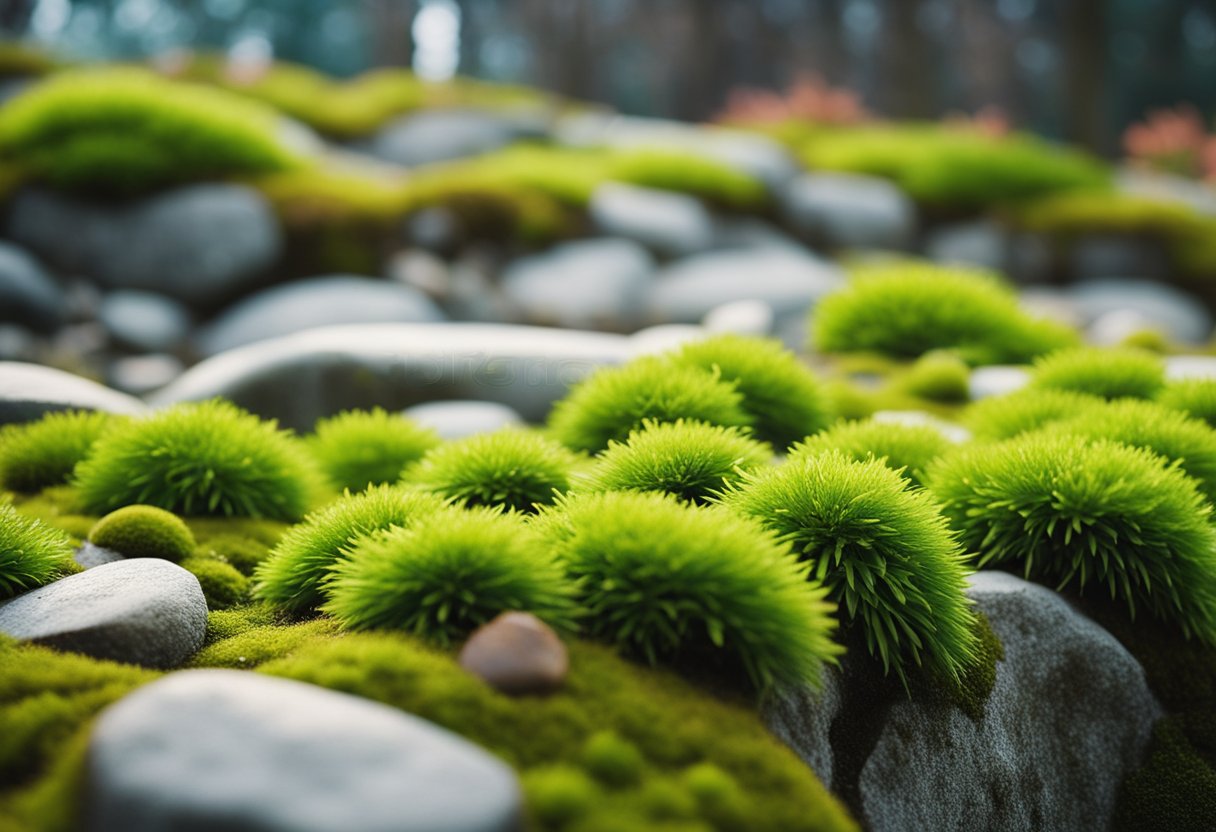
90	556
207	750
141	374
1178	314
315	302
28	295
144	321
27	391
144	611
848	210
1178	367
458	419
981	243
997	380
301	378
441	135
743	317
671	224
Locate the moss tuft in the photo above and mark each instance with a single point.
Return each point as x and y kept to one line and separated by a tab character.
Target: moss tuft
908	449
1194	397
1109	372
144	532
251	646
358	448
939	377
613	761
559	795
31	552
40	454
222	585
1174	789
1004	417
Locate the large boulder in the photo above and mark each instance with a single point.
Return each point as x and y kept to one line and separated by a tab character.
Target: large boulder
1068	719
27	391
205	750
849	210
28	295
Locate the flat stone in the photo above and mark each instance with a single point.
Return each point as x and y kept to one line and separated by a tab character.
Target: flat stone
435	135
997	380
516	653
671	224
1179	367
845	210
205	750
144	321
28	295
27	391
458	419
743	317
144	611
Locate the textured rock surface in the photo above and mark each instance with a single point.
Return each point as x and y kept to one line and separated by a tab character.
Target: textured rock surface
28	295
204	750
456	419
90	556
139	610
516	653
850	211
29	390
669	223
1069	717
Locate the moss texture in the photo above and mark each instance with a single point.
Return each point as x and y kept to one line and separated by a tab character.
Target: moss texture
144	532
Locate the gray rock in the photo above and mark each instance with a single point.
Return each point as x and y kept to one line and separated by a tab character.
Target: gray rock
144	320
749	232
458	419
981	243
588	284
420	269
1169	187
1098	256
1069	717
1178	367
671	224
29	390
89	555
517	654
17	343
144	611
200	244
301	378
997	380
850	211
223	749
434	229
440	135
744	317
318	301
141	374
1172	311
28	295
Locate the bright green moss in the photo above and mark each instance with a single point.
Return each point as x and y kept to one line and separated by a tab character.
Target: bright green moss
449	572
1004	417
1175	789
907	449
718	796
514	468
358	448
126	130
31	552
1096	516
1195	397
676	170
39	454
665	580
290	577
972	688
939	377
209	458
223	586
613	401
613	761
224	624
559	795
690	460
780	393
885	552
1111	372
907	309
488	209
248	648
144	532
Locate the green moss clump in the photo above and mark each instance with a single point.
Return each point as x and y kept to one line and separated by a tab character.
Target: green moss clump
665	580
782	395
679	170
907	309
938	377
31	552
559	795
1175	789
1004	417
613	401
126	130
690	460
358	448
209	458
40	454
884	551
970	691
514	468
1195	397
224	624
613	761
144	532
1111	372
223	586
290	577
254	645
1095	516
908	449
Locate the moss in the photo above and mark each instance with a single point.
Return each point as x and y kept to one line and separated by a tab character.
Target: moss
32	553
144	532
358	448
1110	373
1175	789
224	624
36	455
253	645
680	170
938	376
969	692
613	761
1194	397
559	795
908	449
1005	417
222	585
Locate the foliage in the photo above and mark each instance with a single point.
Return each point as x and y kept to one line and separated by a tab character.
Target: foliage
291	575
690	460
662	579
31	552
613	401
126	130
906	309
144	532
357	448
1110	372
38	454
1091	516
908	449
1004	417
938	376
808	98
885	553
780	393
209	458
1176	141
1196	397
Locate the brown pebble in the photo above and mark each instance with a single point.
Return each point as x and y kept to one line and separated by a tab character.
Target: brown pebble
516	653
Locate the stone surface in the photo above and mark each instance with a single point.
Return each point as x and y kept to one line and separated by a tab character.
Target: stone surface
206	750
1098	256
1190	366
29	390
301	378
28	295
978	243
454	419
997	380
1172	311
1156	185
589	284
141	374
17	343
744	317
89	555
670	224
138	610
144	321
518	654
440	135
200	243
850	211
1069	717
318	301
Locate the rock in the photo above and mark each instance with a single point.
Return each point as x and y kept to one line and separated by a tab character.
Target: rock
744	317
1069	717
1179	367
848	210
318	301
420	269
141	374
1051	303
90	555
517	654
588	284
918	418
144	611
997	380
1172	311
28	390
654	340
1169	187
749	232
440	135
144	321
301	378
671	224
981	243
28	295
17	343
433	229
454	419
225	749
200	244
1098	256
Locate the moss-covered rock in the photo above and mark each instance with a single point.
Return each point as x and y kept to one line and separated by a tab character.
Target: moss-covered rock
144	532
